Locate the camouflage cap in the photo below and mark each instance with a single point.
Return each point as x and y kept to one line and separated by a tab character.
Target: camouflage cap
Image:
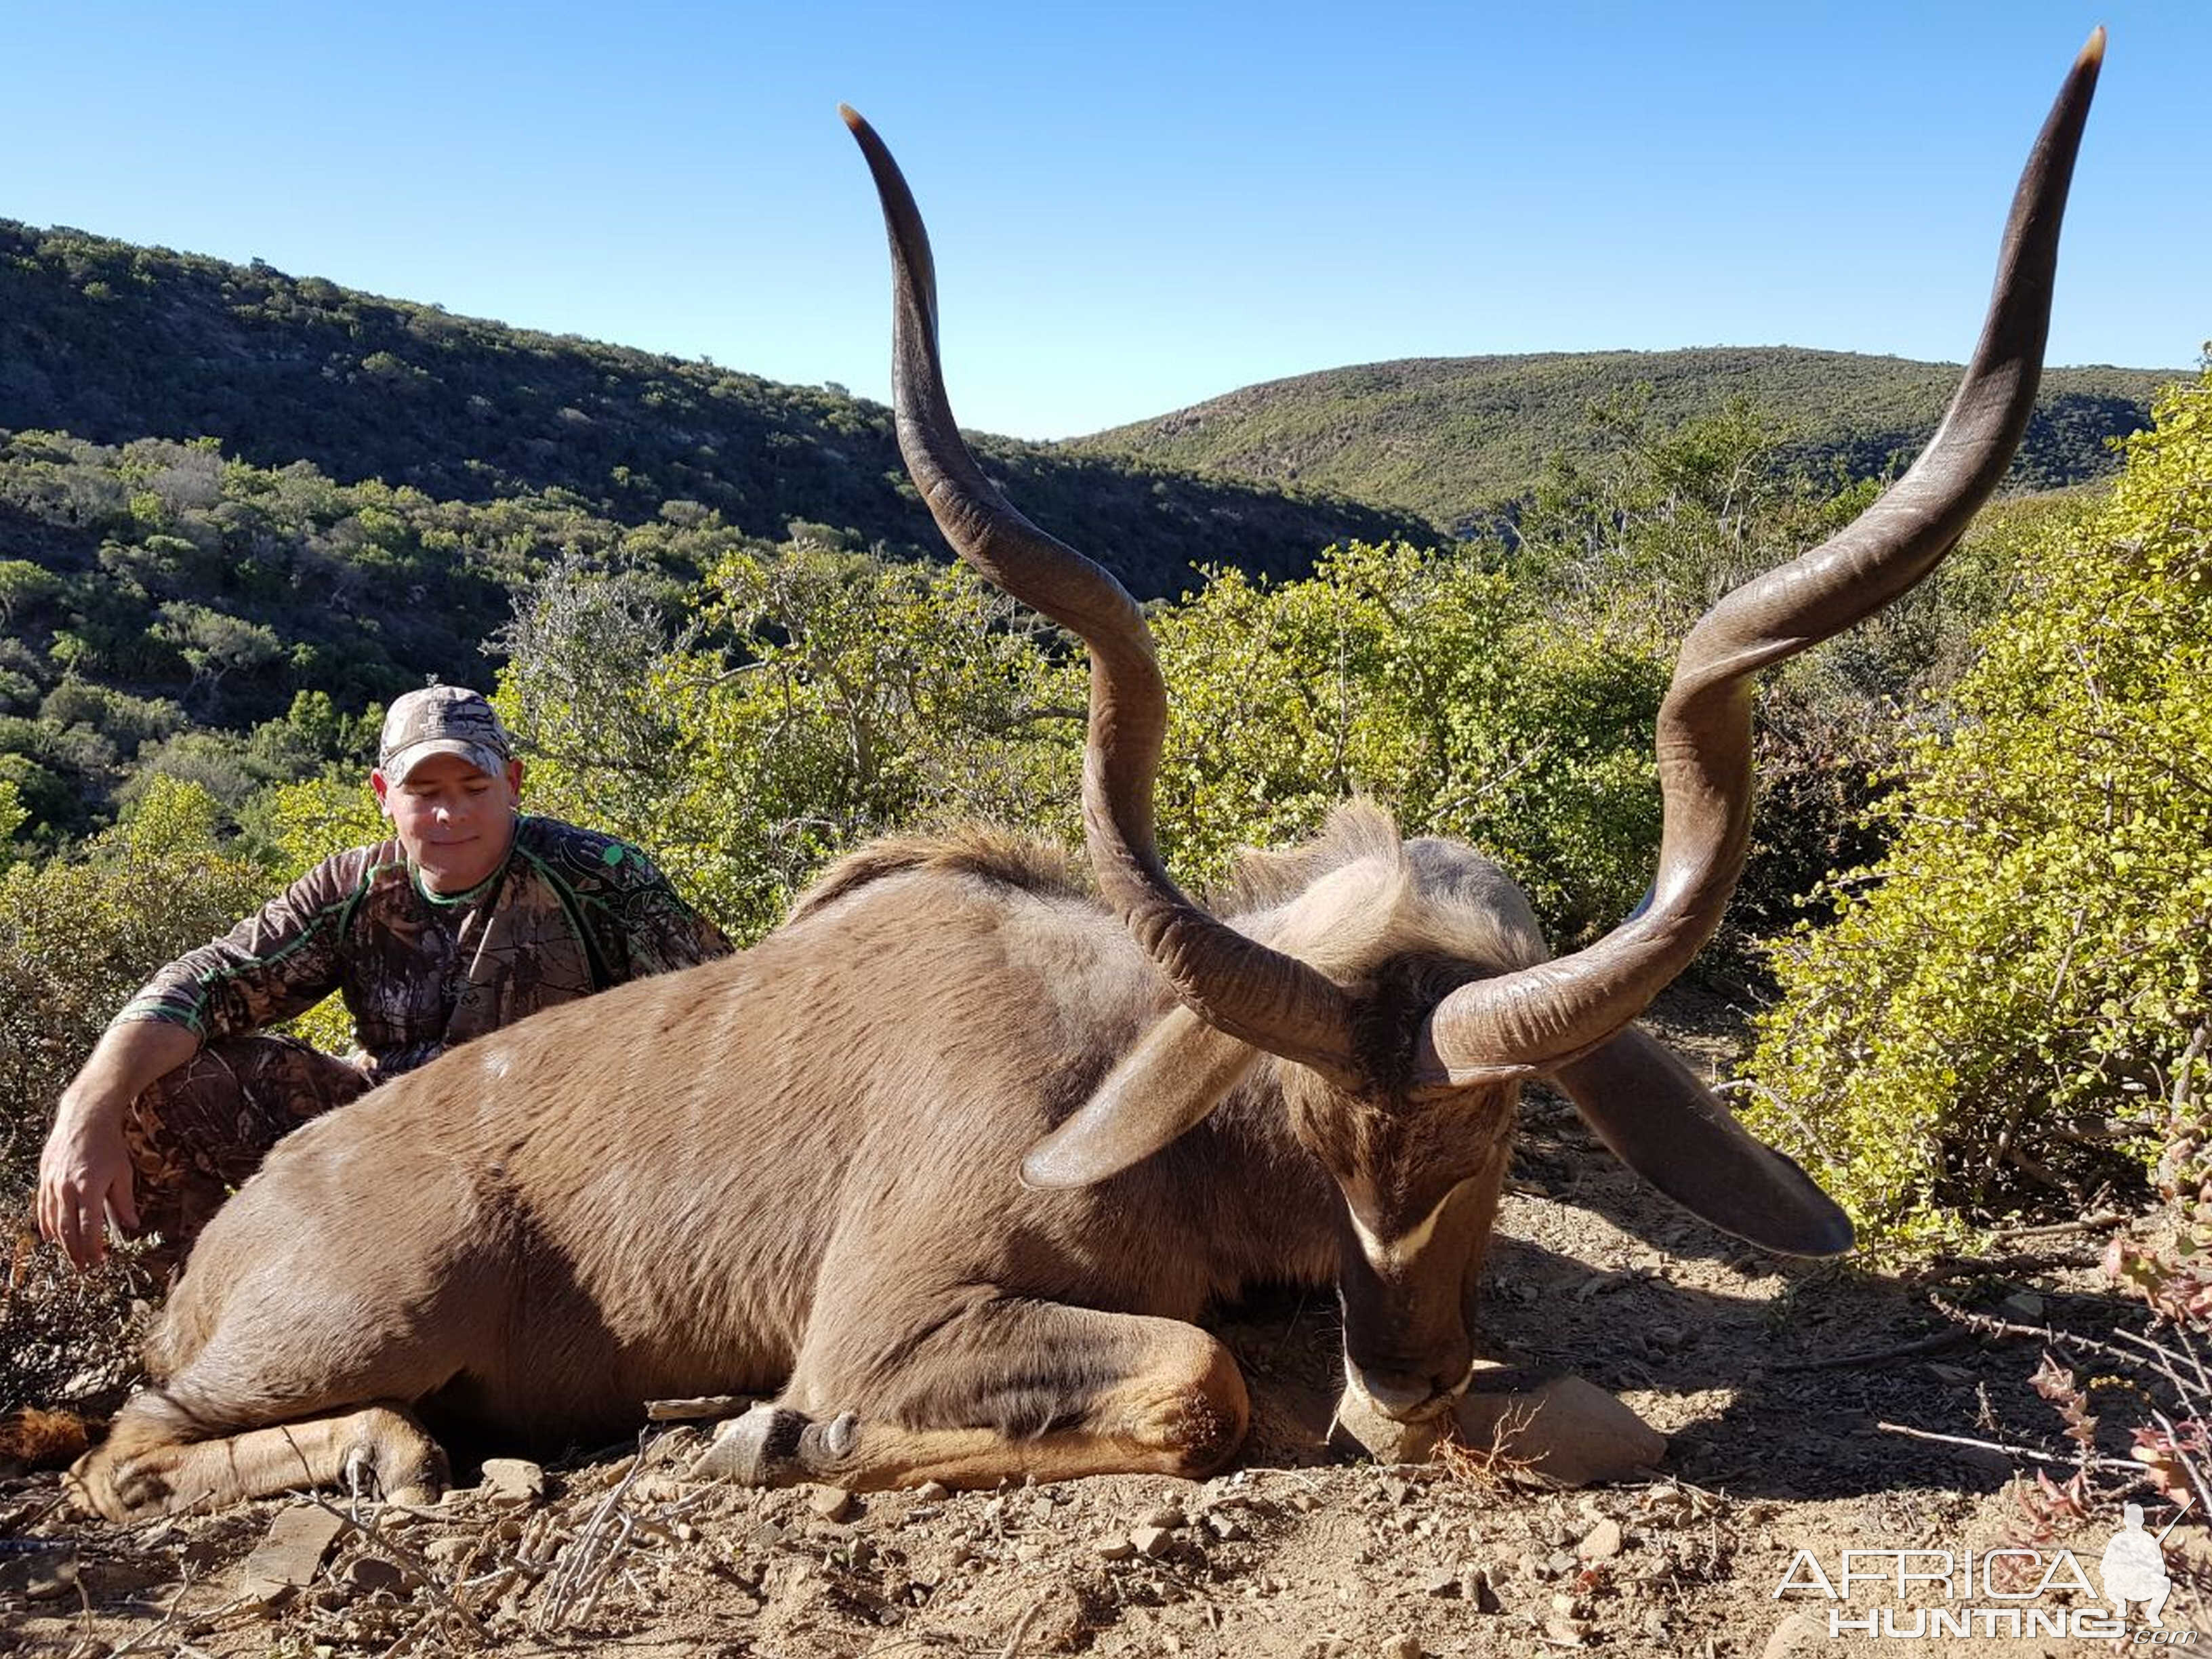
441	719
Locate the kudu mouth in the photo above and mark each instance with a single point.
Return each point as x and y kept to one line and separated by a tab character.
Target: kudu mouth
1407	1397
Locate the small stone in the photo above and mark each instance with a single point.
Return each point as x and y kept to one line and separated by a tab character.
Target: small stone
1798	1631
290	1554
1568	1430
2023	1304
1405	1646
370	1573
1304	1502
1566	1632
933	1492
1361	1426
1151	1542
1445	1582
1602	1542
1227	1527
1559	1564
962	1553
1474	1585
1058	1624
1029	1552
834	1503
449	1551
38	1571
512	1482
1168	1517
678	1445
1564	1604
1115	1549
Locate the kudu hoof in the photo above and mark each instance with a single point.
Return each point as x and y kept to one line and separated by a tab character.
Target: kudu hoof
774	1446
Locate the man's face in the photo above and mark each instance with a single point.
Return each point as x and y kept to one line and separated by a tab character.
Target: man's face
455	822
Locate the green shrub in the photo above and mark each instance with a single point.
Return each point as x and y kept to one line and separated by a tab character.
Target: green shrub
2007	997
844	697
78	937
1434	685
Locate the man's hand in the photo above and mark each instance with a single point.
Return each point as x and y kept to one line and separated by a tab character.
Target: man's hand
84	1173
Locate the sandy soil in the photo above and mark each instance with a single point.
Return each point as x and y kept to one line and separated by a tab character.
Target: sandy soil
1782	1387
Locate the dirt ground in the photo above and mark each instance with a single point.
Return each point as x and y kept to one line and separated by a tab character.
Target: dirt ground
1783	1388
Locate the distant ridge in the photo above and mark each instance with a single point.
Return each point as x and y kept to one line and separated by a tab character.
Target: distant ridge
1449	437
112	342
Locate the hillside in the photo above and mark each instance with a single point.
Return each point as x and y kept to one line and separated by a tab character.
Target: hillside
222	487
1449	437
111	343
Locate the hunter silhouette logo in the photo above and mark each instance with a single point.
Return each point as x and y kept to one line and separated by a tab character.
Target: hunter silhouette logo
2134	1568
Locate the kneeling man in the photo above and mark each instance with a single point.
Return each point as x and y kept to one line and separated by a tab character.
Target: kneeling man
473	915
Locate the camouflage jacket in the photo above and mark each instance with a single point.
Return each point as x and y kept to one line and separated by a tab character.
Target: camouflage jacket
570	912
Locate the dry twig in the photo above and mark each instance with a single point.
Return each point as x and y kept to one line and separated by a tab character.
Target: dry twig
589	1560
2007	1450
1935	1344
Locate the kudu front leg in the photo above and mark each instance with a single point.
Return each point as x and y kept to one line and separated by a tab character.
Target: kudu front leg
152	1464
1008	1388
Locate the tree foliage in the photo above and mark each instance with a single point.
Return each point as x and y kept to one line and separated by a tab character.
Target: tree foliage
79	936
1444	690
816	697
823	696
2008	997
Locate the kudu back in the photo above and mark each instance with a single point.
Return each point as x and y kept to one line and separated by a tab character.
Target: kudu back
952	1162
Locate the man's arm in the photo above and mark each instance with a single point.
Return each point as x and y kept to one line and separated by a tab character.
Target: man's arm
280	960
85	1170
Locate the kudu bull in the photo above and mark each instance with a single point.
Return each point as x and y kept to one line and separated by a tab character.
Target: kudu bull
956	1157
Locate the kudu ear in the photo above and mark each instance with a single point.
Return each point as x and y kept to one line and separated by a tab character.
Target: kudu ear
1655	1116
1166	1085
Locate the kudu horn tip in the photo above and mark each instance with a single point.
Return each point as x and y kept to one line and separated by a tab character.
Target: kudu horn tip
852	118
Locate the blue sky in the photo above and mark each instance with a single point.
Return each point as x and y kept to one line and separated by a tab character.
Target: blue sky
1139	206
